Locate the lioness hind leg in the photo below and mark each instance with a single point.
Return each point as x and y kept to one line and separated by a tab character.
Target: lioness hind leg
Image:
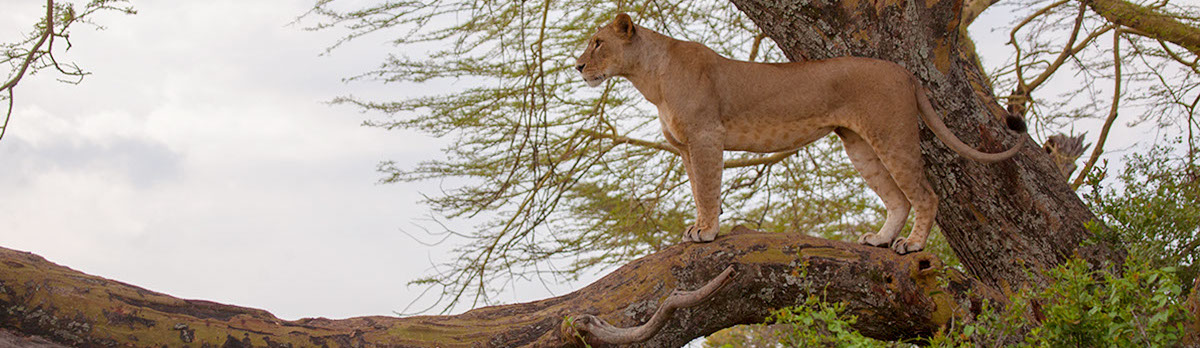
909	174
867	162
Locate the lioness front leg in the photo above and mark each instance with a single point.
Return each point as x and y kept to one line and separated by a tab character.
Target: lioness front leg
704	164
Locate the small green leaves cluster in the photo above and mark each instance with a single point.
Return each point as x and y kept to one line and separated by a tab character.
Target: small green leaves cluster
1153	209
1082	308
817	323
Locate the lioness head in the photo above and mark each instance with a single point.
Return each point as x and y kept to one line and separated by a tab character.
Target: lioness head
605	55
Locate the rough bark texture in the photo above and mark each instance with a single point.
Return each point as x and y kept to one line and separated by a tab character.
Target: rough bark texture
894	296
1001	219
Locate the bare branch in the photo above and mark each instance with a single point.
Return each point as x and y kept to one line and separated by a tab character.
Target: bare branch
620	139
738	163
1112	112
754	47
769	159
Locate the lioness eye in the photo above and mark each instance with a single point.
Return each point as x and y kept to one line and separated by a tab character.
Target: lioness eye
598	43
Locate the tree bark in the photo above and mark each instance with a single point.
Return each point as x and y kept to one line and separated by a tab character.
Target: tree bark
893	296
1002	219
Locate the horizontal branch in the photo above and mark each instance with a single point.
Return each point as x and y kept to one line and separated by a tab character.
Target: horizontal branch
1148	22
894	297
738	163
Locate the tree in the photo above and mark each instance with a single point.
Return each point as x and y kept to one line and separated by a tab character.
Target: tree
574	170
569	172
36	51
558	172
569	180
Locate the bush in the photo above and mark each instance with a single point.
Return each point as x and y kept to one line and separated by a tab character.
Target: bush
1083	308
1144	307
1154	210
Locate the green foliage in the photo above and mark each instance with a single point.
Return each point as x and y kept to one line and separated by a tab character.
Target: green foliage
1082	308
1154	210
817	323
1079	308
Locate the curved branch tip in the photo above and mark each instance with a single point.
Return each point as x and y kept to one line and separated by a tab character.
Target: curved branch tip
588	327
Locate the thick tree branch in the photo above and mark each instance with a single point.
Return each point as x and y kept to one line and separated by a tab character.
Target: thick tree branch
1148	22
894	297
972	9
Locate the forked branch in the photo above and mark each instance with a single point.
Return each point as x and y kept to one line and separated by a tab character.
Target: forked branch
600	331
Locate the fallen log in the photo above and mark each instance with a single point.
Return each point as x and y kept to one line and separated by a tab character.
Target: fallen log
894	296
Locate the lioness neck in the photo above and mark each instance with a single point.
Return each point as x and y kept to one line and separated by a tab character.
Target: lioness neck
644	73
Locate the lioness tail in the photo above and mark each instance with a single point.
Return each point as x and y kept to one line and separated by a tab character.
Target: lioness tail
935	124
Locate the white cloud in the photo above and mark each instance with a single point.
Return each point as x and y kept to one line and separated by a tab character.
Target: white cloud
200	160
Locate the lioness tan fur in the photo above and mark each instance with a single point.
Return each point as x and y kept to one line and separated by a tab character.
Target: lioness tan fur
708	104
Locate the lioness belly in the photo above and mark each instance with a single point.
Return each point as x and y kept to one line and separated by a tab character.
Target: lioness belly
773	139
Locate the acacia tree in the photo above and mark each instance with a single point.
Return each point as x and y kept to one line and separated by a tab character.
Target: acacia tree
570	179
578	176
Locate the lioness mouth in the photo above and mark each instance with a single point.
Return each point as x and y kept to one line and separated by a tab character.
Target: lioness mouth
595	81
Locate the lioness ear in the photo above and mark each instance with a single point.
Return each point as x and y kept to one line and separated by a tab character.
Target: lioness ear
624	25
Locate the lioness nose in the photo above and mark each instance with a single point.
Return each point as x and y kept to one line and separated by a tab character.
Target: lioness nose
580	67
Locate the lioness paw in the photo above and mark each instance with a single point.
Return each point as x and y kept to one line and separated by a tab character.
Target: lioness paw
695	234
874	239
903	246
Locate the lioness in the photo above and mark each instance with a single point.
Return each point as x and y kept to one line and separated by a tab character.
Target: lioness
708	104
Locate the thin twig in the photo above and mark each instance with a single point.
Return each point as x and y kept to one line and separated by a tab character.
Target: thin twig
738	163
754	46
29	58
1112	112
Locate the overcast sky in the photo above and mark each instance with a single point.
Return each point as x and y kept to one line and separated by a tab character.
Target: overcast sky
200	160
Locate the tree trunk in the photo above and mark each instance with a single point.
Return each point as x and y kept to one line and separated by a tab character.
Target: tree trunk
1001	219
893	296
